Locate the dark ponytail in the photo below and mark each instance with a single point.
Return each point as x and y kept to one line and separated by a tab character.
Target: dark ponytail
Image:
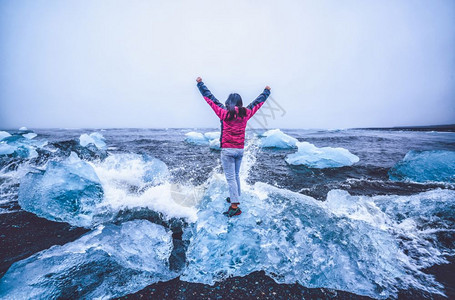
232	101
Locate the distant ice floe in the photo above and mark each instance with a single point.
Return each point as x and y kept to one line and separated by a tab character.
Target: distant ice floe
66	191
275	138
23	128
20	144
30	135
320	158
196	138
110	261
94	138
211	139
4	134
424	166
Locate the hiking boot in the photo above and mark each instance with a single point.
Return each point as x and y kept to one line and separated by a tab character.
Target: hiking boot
232	212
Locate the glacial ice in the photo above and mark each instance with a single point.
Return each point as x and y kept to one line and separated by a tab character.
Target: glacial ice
94	138
4	134
196	138
30	135
215	144
6	149
320	158
66	191
89	193
212	135
111	261
212	139
275	138
23	128
21	145
346	243
423	166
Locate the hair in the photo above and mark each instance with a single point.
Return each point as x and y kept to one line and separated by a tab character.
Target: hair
232	101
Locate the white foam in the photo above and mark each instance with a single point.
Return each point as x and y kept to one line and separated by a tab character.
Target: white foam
121	172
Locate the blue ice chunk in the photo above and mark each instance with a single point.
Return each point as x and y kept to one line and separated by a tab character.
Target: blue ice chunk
196	138
295	238
320	158
275	138
4	134
30	135
212	135
66	191
423	166
94	138
109	262
19	146
215	144
6	149
212	139
156	171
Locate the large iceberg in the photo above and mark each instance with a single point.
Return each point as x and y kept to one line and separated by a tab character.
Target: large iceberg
295	238
109	262
275	138
66	191
422	166
94	138
320	158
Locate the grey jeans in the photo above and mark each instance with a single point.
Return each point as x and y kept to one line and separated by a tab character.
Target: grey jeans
231	158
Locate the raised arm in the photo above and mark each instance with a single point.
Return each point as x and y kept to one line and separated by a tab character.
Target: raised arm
259	101
206	93
217	106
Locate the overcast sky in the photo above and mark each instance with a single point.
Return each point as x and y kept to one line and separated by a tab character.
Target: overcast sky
331	64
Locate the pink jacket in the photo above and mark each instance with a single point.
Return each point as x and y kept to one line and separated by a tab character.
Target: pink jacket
232	132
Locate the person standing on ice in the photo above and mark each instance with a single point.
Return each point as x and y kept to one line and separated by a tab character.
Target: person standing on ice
233	117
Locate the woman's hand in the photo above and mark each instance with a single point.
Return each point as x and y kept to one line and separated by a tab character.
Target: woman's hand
267	88
199	79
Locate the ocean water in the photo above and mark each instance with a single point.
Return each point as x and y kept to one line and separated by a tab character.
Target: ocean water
105	213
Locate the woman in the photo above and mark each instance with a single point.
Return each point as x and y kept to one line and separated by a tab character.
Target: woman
233	117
